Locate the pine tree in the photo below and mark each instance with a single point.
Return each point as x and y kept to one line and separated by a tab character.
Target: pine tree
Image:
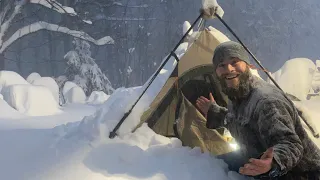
83	70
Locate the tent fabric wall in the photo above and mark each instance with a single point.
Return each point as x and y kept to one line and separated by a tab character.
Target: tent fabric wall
192	130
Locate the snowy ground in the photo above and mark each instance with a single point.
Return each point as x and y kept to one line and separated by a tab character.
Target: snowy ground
71	141
38	148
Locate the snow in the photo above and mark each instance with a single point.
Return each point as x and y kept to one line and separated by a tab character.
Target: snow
97	97
55	6
75	95
67	86
208	4
316	78
288	80
49	83
318	64
88	21
31	100
41	25
311	107
83	70
71	142
74	143
33	76
185	28
130	50
8	78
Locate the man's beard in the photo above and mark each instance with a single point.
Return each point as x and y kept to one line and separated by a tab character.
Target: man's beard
239	92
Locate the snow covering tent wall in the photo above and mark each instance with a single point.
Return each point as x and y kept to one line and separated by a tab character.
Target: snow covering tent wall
193	76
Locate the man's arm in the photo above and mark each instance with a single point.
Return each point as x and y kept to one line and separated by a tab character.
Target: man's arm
277	129
215	116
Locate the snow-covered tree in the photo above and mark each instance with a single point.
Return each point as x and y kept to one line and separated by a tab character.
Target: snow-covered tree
83	70
11	8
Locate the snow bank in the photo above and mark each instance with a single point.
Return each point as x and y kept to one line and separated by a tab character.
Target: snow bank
7	111
67	86
105	119
316	78
318	64
33	76
49	83
295	77
97	97
311	108
75	95
31	100
8	78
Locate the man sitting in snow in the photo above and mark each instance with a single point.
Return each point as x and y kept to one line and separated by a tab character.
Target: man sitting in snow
265	124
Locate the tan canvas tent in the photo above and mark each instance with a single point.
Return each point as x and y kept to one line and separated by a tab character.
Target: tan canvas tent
192	77
173	113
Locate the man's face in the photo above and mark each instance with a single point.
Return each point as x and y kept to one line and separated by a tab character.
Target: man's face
230	70
234	77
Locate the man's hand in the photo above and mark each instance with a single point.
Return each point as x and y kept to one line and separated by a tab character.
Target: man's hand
260	166
203	104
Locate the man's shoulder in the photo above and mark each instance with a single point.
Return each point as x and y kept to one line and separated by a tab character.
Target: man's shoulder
266	96
265	92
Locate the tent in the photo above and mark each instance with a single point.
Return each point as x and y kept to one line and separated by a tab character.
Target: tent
173	112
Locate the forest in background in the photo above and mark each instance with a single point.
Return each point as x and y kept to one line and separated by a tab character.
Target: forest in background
145	31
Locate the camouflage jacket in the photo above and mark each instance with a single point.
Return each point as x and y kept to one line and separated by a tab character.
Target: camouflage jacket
265	118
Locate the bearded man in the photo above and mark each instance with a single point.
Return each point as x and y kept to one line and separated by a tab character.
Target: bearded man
273	143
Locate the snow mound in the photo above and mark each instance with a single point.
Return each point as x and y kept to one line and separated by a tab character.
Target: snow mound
97	97
9	111
105	119
49	83
8	78
75	95
311	109
31	100
318	64
67	86
316	79
295	77
33	76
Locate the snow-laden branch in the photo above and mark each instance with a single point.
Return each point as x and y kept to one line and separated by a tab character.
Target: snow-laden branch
4	27
52	4
136	6
41	25
56	6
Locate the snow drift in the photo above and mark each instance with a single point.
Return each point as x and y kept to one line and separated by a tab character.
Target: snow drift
8	78
32	77
295	77
97	97
31	100
75	95
67	86
104	120
49	83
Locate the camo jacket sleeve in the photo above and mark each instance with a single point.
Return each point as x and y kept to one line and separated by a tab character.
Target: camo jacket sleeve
276	121
215	116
